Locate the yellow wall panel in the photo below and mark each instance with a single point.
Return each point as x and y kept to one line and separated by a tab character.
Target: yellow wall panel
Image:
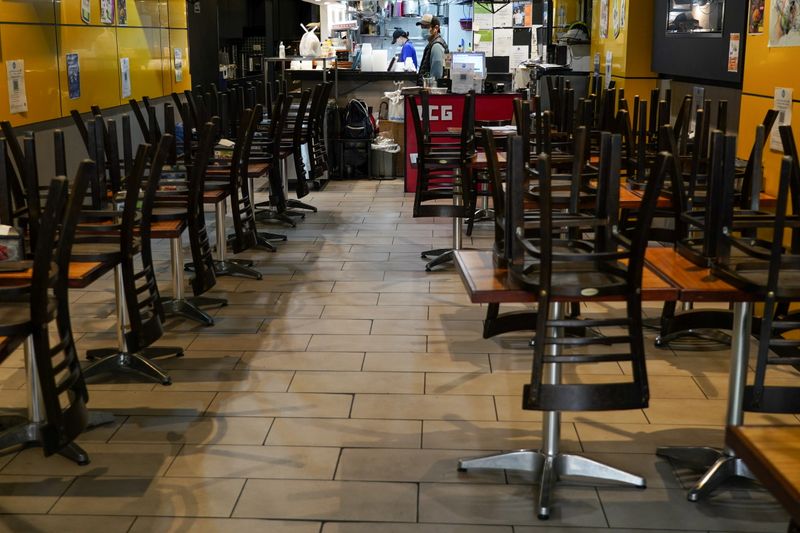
143	48
144	13
69	12
36	45
177	13
99	67
179	39
36	11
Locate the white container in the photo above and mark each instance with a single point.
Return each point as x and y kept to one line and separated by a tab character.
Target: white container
380	60
282	51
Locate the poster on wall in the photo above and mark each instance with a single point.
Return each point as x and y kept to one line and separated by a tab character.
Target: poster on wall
783	105
503	41
73	76
755	17
609	64
523	14
504	17
484	42
784	26
482	18
178	65
615	26
86	11
733	53
17	99
106	11
122	12
603	19
623	8
125	70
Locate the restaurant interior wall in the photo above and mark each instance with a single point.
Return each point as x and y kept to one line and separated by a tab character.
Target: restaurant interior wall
42	33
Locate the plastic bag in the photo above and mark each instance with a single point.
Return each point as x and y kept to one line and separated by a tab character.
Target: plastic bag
396	105
309	44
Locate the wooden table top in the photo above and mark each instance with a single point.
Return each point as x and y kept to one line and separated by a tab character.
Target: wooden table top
631	198
694	283
167	229
81	275
773	454
214	196
487	283
254	170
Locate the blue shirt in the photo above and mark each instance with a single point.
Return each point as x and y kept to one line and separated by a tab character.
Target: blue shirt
409	51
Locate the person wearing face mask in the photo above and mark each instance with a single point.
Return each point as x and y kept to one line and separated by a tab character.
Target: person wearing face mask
432	64
407	50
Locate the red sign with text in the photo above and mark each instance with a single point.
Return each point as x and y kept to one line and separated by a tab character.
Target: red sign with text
446	111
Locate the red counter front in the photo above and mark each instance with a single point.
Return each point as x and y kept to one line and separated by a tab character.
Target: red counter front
446	111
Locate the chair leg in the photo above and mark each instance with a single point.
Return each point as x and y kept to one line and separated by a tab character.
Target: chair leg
297	204
232	268
433	253
273	236
127	362
186	309
75	453
442	259
206	301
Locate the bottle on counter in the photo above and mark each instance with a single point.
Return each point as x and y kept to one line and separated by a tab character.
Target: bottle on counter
281	51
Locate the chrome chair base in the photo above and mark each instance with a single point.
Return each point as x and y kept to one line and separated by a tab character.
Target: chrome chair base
20	432
701	339
721	466
440	257
549	469
134	363
234	267
297	204
186	308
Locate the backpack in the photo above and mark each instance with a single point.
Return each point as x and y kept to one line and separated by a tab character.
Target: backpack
357	121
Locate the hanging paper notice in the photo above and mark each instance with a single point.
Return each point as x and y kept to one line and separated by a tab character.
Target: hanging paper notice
504	17
482	18
783	104
17	100
503	42
755	20
784	25
484	42
623	12
603	19
107	11
609	64
178	65
86	11
519	55
125	70
122	12
73	76
733	53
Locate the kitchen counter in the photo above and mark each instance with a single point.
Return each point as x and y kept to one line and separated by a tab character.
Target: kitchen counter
352	75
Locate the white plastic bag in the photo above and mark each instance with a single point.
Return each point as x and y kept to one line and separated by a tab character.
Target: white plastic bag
396	105
309	44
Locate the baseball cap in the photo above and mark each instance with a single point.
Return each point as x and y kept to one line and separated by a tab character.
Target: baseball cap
429	20
397	34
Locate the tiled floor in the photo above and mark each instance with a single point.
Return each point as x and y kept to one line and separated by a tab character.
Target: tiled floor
337	394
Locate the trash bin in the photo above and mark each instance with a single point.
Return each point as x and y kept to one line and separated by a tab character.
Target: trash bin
383	153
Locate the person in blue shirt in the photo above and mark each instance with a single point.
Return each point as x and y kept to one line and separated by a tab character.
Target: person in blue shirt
407	49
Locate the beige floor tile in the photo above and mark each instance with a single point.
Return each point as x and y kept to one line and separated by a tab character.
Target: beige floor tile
316	326
426	362
328	500
345	432
370	527
64	524
507	504
230	380
382	286
149	524
475	343
359	382
476	383
491	436
448	312
202	360
224	324
645	438
150	496
426	327
260	341
287	309
337	275
668	508
131	460
302	361
521	362
716	386
263	298
13	398
12	378
368	343
158	402
682	411
269	462
338	298
194	430
290	286
423	407
434	466
30	494
510	408
381	312
396	298
277	404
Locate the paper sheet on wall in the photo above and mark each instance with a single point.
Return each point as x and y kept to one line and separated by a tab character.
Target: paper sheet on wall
107	11
609	64
603	19
86	11
504	17
519	55
535	42
503	42
178	65
784	25
125	71
733	53
73	76
482	18
17	99
484	42
783	104
122	12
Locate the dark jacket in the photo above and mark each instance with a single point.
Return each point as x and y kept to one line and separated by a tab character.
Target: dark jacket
425	65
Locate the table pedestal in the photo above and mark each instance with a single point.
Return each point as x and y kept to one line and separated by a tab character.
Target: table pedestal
548	463
178	304
722	465
223	266
443	255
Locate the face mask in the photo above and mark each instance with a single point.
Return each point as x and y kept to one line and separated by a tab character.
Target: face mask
425	33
